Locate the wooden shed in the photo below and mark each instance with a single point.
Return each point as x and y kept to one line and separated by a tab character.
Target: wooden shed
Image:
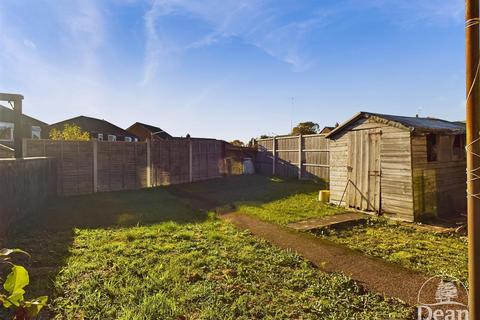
408	168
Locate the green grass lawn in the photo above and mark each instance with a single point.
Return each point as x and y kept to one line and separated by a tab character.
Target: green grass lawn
206	270
275	200
147	255
253	188
430	252
294	208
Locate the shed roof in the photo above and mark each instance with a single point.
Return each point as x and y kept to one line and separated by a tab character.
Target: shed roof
327	129
153	130
414	124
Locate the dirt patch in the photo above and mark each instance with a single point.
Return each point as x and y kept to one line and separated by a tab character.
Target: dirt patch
373	274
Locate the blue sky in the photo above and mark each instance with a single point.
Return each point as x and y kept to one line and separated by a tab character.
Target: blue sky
228	69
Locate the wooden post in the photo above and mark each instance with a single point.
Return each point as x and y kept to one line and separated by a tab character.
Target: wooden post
18	127
25	150
190	160
149	163
95	166
274	156
300	138
473	161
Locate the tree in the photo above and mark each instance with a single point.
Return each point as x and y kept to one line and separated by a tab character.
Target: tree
69	132
308	127
237	143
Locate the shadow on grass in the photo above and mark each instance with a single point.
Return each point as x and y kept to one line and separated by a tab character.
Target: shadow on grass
208	195
49	236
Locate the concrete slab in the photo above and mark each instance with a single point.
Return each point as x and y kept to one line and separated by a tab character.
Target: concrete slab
328	221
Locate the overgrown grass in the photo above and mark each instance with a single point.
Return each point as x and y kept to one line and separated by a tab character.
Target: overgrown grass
271	199
297	207
253	188
124	208
205	270
430	252
147	255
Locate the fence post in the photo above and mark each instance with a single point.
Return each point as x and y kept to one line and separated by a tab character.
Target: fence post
24	148
274	156
190	160
300	157
95	166
149	163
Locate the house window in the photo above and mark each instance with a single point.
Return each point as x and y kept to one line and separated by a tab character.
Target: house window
36	132
111	137
459	147
6	131
100	137
128	139
432	147
135	139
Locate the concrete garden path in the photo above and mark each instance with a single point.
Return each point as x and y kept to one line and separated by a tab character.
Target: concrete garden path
328	221
373	274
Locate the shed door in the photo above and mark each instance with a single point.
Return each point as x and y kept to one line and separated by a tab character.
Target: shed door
364	170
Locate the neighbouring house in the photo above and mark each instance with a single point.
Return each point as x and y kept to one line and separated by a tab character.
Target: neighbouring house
145	131
408	168
99	129
326	130
31	127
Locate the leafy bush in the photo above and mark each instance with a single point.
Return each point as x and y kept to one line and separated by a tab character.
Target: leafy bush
12	297
70	132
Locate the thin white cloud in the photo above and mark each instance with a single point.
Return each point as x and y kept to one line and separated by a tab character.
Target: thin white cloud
85	23
252	21
258	23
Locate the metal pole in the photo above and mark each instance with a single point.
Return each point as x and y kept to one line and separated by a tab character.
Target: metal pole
473	162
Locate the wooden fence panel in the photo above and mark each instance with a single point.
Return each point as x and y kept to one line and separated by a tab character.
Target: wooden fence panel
121	165
207	159
264	158
74	163
308	154
287	160
316	155
26	184
170	162
85	167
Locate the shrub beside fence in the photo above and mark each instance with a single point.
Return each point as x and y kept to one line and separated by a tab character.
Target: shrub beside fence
26	184
304	156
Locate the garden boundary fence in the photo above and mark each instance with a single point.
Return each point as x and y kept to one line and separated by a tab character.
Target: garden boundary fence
303	156
85	167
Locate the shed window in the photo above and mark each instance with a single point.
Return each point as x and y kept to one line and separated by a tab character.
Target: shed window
111	137
432	147
6	131
128	139
100	137
459	147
